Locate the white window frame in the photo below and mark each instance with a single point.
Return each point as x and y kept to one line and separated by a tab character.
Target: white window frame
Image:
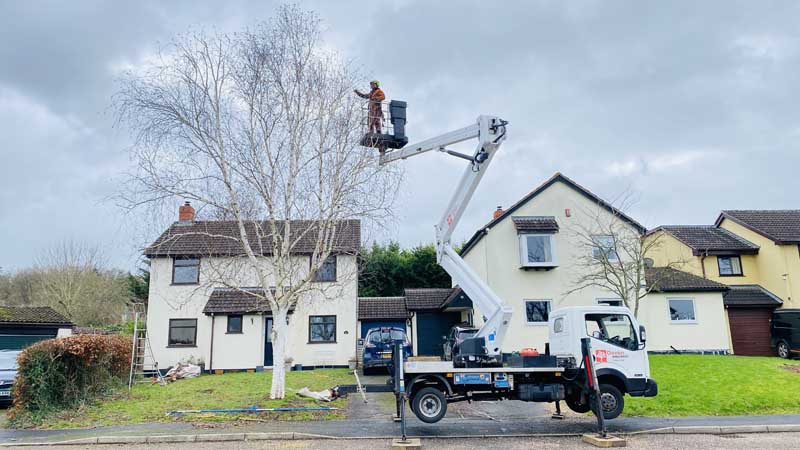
600	301
677	322
597	248
523	250
525	310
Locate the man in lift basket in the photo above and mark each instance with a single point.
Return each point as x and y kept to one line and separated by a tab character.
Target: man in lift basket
375	97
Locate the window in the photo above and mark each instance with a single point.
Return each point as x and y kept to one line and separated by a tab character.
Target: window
729	266
327	271
616	329
322	328
235	324
604	248
537	311
610	301
185	270
537	250
681	310
558	325
182	332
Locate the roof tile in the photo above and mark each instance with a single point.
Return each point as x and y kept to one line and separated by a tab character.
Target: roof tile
709	238
32	315
541	224
246	300
746	295
426	298
667	279
779	225
382	308
222	238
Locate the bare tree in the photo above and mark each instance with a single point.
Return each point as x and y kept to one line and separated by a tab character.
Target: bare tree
614	255
71	277
258	127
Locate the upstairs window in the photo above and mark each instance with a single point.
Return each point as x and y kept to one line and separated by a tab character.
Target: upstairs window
185	270
537	250
604	248
729	266
327	271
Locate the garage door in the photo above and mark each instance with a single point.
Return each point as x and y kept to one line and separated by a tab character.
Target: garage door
430	329
20	341
750	331
367	325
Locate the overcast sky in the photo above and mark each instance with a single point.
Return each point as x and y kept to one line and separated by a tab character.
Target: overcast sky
694	106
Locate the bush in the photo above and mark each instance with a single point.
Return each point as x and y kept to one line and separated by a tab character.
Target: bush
58	374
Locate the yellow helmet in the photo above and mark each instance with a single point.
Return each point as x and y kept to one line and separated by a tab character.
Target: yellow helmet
377	83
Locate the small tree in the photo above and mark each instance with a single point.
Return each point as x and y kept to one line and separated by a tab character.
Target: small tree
614	255
72	278
260	128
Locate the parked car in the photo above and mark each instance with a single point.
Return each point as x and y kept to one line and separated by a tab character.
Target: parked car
377	354
8	371
786	332
455	337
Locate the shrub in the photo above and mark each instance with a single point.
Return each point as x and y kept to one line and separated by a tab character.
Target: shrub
58	374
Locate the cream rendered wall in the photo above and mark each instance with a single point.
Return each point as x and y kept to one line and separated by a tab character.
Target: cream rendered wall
169	301
496	259
778	265
709	332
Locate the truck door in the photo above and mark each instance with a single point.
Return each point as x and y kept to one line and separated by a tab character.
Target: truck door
615	344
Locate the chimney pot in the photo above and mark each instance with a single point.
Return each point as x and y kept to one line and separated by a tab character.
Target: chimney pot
186	213
498	212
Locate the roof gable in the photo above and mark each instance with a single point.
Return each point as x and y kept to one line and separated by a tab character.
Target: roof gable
558	177
708	239
781	226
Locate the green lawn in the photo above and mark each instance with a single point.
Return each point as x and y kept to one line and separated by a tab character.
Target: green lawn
690	385
150	403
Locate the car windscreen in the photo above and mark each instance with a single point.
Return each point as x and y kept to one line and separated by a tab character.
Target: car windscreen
379	337
463	334
8	360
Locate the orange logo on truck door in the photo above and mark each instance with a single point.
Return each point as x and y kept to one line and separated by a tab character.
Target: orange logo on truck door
600	356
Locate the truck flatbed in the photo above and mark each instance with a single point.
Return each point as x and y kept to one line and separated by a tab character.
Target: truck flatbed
418	367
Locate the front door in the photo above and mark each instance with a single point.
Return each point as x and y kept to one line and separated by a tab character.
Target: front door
268	343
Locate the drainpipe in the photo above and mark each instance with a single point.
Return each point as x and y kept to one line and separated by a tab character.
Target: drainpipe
211	350
703	263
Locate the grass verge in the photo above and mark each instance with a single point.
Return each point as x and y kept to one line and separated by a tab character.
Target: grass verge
150	403
705	385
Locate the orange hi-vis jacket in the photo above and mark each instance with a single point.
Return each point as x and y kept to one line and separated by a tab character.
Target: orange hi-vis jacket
375	98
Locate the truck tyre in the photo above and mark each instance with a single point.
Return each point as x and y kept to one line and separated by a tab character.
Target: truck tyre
573	404
783	349
429	404
612	401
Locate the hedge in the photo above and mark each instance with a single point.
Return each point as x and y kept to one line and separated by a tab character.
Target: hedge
64	373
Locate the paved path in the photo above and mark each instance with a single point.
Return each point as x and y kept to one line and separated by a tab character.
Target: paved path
374	420
778	441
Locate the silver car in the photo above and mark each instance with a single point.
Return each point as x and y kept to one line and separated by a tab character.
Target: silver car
8	371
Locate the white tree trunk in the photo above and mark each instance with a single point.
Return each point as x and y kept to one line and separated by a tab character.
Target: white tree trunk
280	341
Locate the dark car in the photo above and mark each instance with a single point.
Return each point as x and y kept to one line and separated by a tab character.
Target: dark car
378	345
456	336
786	332
8	371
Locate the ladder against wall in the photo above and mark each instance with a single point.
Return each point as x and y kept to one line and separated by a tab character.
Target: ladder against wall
144	367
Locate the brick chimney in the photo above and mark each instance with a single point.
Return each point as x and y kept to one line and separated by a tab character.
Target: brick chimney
498	212
186	213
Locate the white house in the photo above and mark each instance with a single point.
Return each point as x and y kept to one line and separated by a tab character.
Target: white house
203	303
530	257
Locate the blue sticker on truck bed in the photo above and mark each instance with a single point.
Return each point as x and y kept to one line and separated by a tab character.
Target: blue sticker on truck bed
472	378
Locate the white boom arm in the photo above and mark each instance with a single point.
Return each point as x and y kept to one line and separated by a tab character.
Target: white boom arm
491	132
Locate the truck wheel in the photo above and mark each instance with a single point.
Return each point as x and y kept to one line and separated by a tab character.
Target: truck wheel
429	404
611	400
574	405
783	349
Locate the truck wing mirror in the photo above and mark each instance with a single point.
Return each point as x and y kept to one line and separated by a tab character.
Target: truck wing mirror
642	335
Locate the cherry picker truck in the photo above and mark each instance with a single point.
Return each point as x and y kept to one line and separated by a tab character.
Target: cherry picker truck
595	354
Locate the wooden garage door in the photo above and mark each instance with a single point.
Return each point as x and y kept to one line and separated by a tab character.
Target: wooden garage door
750	331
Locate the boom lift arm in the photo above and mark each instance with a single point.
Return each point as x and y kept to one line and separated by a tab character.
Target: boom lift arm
490	132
